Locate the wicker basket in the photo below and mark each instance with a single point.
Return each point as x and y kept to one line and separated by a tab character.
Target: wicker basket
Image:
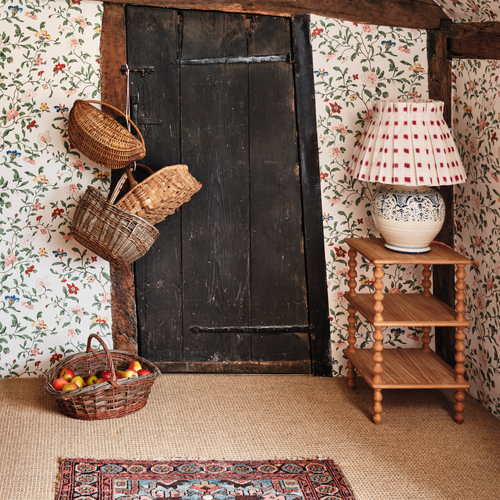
113	233
112	399
161	194
101	138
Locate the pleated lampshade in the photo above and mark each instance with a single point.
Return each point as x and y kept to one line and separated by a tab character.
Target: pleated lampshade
407	143
407	147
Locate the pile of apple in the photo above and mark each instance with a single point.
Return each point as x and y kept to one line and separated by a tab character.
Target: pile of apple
68	381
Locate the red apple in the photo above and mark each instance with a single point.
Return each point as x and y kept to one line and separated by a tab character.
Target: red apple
70	386
99	381
67	374
130	373
59	383
143	372
135	365
91	380
105	374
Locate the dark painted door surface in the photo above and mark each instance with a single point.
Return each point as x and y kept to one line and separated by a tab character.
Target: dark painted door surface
224	286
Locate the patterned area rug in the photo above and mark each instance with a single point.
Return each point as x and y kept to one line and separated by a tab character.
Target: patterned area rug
88	479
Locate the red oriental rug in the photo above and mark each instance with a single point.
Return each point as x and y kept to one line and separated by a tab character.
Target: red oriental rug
88	479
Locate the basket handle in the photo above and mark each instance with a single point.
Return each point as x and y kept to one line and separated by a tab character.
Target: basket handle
131	179
112	379
121	113
118	188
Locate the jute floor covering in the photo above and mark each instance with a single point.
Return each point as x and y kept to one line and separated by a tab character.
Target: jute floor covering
417	453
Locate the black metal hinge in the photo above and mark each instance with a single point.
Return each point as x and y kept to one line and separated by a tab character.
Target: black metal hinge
237	60
143	70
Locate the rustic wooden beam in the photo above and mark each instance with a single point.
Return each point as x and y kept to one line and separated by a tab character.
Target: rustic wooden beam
443	276
417	14
472	40
114	92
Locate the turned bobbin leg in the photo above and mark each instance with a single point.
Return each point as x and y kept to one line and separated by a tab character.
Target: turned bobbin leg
351	329
426	285
459	343
377	345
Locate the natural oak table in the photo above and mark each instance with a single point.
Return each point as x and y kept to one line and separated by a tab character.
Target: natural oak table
405	368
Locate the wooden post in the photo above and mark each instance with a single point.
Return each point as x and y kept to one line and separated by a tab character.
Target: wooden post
351	374
443	277
114	92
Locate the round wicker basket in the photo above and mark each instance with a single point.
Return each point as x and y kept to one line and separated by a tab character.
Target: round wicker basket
112	399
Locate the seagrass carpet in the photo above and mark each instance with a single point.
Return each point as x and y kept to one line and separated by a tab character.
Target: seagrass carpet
85	479
417	453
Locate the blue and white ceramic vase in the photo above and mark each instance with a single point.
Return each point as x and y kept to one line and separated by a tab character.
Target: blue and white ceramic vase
408	217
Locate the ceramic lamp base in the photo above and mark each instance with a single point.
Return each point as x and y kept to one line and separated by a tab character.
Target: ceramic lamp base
408	217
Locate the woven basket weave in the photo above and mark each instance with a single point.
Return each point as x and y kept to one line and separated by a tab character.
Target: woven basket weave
101	138
161	194
113	233
112	399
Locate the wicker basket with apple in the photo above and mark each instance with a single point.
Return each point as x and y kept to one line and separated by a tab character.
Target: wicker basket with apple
96	385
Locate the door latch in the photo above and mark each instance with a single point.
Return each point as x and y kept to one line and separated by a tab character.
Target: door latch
143	70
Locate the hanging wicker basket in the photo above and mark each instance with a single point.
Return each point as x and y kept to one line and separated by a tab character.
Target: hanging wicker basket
112	399
161	194
101	138
111	232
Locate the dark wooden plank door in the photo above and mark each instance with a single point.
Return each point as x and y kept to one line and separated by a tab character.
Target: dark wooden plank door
224	287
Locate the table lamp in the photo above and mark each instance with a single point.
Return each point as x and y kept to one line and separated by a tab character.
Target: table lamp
407	147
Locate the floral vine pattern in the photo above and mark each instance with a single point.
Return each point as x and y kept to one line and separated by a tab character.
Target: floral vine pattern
476	121
470	10
53	291
354	65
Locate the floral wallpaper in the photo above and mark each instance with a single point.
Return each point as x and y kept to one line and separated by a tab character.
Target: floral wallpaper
356	64
460	11
53	292
476	121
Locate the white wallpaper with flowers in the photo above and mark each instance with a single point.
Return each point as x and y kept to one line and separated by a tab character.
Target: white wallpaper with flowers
476	120
356	64
53	292
460	11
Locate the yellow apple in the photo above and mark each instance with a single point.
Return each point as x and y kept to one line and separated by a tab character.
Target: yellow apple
135	365
130	373
78	381
119	373
70	386
99	381
91	380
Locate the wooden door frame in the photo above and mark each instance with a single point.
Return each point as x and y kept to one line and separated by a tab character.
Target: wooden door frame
123	304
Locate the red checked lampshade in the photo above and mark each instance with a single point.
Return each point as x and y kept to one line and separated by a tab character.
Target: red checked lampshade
407	147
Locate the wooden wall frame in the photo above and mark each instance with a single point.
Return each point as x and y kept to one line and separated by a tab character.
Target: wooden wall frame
445	41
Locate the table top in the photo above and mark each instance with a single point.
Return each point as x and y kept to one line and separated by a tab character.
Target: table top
374	250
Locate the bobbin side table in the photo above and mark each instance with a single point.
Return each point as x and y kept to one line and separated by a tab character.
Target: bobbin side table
405	368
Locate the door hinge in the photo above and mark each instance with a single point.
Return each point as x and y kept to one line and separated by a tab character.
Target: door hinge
143	70
237	60
252	329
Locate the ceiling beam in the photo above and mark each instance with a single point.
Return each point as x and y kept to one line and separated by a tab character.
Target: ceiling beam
416	14
472	40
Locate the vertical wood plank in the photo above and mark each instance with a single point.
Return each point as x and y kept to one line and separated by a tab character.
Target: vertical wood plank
216	222
277	251
443	276
158	273
114	91
311	194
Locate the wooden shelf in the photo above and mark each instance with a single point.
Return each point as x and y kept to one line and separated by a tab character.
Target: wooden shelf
406	369
374	250
406	309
